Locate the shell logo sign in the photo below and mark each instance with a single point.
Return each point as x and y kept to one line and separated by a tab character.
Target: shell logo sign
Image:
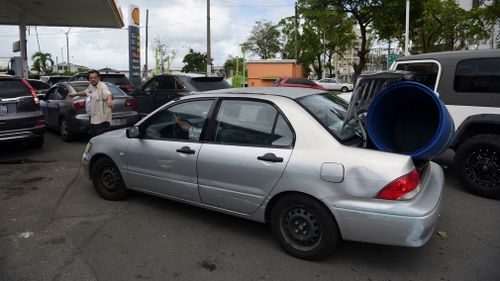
135	16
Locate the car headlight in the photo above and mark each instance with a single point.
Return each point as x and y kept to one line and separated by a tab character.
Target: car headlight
88	147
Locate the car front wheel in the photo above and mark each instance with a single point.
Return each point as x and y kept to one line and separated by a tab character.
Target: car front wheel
304	227
344	89
478	165
108	181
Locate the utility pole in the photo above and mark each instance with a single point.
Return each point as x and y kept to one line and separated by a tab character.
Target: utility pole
407	31
209	56
67	48
37	40
146	64
296	27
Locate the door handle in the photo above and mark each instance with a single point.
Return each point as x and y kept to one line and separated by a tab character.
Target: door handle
270	157
185	150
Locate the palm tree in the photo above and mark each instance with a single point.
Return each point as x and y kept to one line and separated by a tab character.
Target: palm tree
41	62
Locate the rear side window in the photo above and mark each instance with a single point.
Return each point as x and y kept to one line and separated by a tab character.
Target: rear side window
251	123
426	72
13	89
209	83
115	79
478	76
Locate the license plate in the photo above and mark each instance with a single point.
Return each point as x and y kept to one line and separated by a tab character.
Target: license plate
117	122
3	109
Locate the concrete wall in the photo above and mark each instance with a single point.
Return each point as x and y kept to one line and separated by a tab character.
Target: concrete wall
265	72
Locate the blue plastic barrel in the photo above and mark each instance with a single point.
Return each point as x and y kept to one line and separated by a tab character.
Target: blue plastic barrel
409	118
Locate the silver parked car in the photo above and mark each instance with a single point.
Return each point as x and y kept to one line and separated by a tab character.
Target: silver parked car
68	115
274	155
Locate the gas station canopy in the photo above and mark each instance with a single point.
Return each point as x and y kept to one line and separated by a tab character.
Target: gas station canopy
78	13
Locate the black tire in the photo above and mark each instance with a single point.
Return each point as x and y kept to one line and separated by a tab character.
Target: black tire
36	142
66	133
344	89
296	213
477	162
108	181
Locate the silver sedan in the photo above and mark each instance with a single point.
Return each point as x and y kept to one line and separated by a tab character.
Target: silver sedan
277	156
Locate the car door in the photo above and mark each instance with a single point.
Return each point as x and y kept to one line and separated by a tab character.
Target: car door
169	90
145	98
248	151
163	159
53	105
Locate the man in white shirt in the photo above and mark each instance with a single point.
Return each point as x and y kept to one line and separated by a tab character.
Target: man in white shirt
98	104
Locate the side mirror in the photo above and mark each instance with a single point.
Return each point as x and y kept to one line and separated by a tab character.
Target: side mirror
133	132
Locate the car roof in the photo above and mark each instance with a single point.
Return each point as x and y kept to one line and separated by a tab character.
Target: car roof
454	54
289	92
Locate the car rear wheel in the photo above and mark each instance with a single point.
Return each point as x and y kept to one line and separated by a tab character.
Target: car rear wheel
344	89
66	133
108	181
304	227
478	165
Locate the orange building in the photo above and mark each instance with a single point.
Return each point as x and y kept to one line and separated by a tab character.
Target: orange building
265	72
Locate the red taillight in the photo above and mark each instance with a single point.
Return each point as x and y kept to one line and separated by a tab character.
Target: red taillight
401	188
33	92
129	86
79	105
130	102
40	123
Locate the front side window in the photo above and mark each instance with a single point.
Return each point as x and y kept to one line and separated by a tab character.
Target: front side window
184	121
426	72
478	76
251	123
330	111
152	84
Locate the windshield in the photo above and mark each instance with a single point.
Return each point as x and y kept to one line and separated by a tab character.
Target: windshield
330	111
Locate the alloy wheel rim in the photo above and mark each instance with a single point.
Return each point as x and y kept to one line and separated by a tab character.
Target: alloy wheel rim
301	228
483	167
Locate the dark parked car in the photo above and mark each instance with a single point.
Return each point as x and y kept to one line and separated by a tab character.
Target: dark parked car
163	88
20	115
39	86
51	80
297	82
118	79
68	115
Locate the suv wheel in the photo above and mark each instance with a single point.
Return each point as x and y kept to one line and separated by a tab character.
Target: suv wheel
478	165
66	134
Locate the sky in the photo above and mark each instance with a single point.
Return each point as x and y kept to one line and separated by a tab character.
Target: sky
179	24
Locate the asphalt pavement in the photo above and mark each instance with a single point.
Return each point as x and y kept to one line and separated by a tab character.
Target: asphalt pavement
53	226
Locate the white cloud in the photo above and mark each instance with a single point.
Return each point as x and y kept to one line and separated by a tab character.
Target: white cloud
180	24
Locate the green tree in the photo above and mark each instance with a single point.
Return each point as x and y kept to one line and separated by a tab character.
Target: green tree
194	62
263	40
444	26
230	66
363	12
323	30
42	62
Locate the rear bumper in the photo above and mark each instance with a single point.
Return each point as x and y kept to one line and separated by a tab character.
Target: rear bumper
22	134
401	223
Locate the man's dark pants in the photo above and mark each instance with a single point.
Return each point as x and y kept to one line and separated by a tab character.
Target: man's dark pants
97	129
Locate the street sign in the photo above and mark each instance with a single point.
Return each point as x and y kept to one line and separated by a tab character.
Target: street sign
134	46
391	59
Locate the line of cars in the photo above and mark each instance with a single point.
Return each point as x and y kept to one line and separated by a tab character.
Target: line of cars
29	106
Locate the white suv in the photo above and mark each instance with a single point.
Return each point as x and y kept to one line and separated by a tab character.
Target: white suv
468	82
